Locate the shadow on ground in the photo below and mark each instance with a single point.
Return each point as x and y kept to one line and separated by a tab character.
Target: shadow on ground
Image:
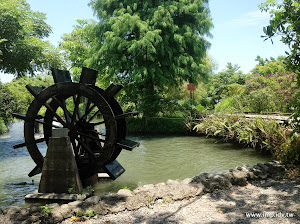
270	197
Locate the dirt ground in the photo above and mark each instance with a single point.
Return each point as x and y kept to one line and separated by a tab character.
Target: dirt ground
275	200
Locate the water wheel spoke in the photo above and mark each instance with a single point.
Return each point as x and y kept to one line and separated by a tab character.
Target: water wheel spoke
24	144
62	104
87	113
34	90
48	124
86	147
76	111
87	105
36	170
59	119
94	115
98	133
23	116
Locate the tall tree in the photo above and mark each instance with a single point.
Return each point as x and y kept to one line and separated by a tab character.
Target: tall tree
77	45
149	45
218	83
285	22
267	67
22	49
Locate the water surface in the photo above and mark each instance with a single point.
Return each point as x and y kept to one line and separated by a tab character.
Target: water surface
158	159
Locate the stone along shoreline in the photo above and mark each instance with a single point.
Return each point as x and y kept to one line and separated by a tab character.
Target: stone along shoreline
147	196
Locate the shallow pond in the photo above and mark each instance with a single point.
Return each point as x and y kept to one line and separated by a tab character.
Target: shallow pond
158	159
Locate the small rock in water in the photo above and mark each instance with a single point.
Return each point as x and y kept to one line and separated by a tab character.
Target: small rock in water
20	183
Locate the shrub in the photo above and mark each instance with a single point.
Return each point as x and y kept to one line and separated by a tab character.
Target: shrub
8	102
266	135
261	93
3	127
227	105
156	125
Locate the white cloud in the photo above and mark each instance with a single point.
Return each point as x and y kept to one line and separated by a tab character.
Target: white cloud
252	18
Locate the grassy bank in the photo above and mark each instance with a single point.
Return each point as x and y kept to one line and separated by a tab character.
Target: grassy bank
264	135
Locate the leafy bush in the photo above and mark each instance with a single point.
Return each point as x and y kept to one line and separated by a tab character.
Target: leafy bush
266	135
271	93
261	93
227	105
8	102
3	127
18	89
156	125
289	152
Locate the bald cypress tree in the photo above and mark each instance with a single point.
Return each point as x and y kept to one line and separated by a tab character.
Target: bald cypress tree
151	45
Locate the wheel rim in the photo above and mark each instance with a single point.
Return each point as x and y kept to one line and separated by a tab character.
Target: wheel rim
62	92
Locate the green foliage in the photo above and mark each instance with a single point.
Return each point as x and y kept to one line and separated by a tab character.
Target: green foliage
270	88
77	45
271	93
156	125
200	108
271	66
89	189
8	102
289	152
228	105
85	214
90	213
191	109
266	135
151	45
261	93
18	89
218	83
21	45
3	127
72	190
45	210
15	98
285	23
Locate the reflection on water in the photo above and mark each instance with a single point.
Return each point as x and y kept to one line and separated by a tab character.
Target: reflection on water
160	158
156	160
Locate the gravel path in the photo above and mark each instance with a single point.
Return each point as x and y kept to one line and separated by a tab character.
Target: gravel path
268	197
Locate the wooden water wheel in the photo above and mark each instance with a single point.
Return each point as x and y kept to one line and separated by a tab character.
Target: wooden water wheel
94	119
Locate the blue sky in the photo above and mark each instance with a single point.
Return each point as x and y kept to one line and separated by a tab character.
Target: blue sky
236	34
